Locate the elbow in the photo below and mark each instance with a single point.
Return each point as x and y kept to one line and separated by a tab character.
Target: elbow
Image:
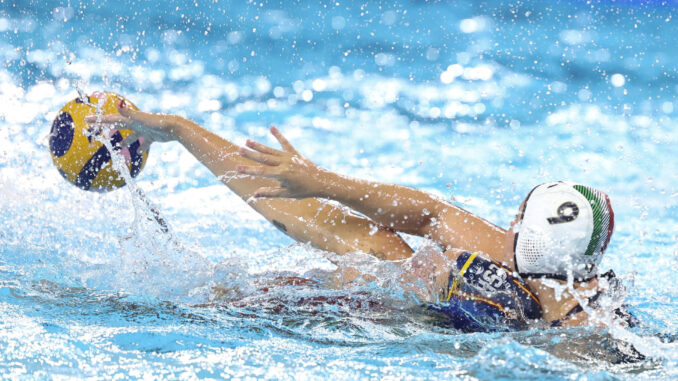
432	214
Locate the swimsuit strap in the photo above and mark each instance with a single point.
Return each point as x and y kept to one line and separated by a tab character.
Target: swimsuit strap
609	275
453	279
575	310
621	312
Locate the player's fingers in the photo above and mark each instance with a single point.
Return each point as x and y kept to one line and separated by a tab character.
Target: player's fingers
271	192
259	157
283	141
262	147
145	143
130	139
158	121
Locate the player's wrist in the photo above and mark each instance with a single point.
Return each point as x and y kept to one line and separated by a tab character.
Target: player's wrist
182	129
324	183
331	185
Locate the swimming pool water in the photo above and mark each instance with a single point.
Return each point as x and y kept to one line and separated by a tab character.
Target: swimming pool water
479	101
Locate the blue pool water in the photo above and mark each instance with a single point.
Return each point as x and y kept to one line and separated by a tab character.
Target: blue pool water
476	100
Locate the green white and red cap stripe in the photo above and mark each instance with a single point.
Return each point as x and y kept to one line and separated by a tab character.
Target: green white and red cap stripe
603	218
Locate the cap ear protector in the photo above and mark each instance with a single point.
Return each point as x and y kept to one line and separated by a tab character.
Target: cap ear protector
564	229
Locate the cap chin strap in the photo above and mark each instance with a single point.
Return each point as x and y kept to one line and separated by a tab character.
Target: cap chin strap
553	276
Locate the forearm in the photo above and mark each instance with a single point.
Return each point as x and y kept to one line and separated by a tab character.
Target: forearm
219	155
394	206
401	208
326	226
398	207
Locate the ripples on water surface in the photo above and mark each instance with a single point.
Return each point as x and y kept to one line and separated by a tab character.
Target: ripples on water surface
480	100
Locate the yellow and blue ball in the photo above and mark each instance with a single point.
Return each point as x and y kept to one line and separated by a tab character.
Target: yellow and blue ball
80	156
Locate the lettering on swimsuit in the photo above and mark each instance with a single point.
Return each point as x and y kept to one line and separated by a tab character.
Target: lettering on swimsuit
490	279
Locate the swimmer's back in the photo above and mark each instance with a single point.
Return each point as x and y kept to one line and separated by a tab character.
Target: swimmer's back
483	295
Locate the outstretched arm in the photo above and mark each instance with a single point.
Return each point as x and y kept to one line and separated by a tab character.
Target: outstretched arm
324	225
401	208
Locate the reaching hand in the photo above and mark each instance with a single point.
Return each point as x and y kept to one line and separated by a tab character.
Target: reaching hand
299	177
152	127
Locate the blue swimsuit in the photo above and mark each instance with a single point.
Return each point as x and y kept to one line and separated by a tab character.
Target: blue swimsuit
484	296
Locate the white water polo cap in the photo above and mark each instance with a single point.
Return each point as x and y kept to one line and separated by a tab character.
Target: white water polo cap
564	229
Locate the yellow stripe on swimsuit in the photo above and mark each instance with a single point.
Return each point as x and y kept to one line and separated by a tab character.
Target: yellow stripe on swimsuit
455	284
